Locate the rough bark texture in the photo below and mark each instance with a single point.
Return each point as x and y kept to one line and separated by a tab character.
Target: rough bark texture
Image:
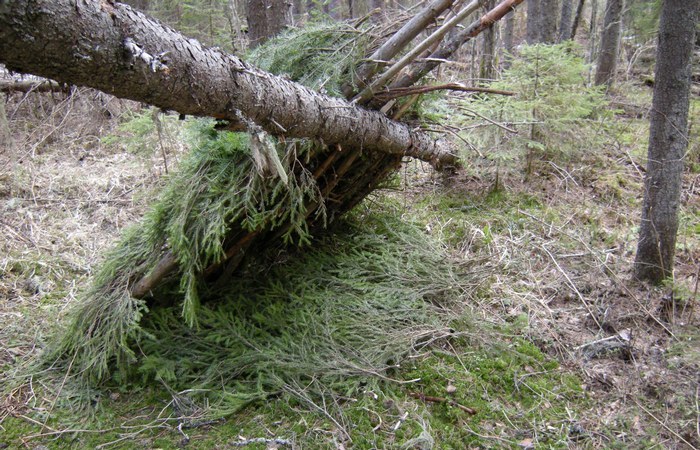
266	19
487	67
111	47
567	10
609	42
548	10
577	17
509	33
97	44
533	24
668	141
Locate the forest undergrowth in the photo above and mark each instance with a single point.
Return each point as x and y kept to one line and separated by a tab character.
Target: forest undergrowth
491	309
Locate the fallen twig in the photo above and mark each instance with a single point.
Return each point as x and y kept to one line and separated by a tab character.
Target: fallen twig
664	425
405	92
276	441
431	399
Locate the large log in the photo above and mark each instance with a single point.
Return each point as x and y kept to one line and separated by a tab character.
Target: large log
113	48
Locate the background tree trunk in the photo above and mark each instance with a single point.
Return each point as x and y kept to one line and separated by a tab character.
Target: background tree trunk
508	36
533	21
577	18
266	19
609	43
565	21
549	11
668	141
487	67
593	32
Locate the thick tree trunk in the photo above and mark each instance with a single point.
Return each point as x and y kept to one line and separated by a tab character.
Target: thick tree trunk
266	19
508	33
549	10
609	43
487	68
533	22
111	47
668	140
508	40
565	21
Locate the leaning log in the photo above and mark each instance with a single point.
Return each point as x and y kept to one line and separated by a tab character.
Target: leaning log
116	49
451	45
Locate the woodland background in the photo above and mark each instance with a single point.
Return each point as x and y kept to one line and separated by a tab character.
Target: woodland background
493	307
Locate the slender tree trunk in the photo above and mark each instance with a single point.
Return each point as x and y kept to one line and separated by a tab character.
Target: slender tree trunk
234	20
487	68
593	31
610	43
395	44
266	18
533	22
4	127
97	44
565	22
668	141
577	18
449	47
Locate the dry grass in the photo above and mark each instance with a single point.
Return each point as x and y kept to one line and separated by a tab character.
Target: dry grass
563	246
64	199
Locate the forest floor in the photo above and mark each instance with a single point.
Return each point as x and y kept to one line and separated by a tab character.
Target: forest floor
555	347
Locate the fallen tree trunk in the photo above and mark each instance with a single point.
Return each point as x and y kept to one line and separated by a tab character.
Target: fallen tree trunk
113	48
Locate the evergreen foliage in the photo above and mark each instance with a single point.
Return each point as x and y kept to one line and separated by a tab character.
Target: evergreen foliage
333	319
321	55
552	108
216	188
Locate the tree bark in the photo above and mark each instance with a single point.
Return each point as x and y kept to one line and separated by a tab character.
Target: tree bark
98	44
548	21
533	25
668	141
609	43
565	21
487	68
266	19
577	18
593	31
449	47
396	43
